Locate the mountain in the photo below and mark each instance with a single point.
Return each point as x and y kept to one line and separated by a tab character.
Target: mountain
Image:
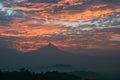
51	55
48	55
50	49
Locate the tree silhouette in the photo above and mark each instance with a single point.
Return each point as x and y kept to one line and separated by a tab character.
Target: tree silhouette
25	74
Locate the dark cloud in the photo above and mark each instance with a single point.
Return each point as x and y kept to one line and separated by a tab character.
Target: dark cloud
46	1
104	1
110	1
4	20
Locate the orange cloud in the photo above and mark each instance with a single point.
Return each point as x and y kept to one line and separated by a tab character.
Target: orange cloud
31	32
86	15
28	46
71	2
38	20
47	11
27	9
98	6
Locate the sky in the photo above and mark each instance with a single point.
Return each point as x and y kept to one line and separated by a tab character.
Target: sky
71	25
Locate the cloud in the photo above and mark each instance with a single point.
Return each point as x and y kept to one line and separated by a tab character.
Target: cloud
4	19
110	1
78	23
6	15
45	1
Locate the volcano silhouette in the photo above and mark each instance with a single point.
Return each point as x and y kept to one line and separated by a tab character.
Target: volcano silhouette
50	50
50	47
49	54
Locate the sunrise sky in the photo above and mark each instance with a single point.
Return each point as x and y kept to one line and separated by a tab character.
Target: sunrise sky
27	25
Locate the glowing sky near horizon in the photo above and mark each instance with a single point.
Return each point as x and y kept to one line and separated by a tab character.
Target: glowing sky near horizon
27	25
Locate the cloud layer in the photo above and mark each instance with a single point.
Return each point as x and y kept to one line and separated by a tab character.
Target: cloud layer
77	23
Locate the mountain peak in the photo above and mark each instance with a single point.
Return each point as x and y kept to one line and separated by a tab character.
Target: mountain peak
51	46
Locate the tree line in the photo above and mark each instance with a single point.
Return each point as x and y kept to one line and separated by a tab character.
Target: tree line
25	74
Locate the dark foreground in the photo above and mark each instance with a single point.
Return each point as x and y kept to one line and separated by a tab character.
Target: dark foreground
27	75
24	74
